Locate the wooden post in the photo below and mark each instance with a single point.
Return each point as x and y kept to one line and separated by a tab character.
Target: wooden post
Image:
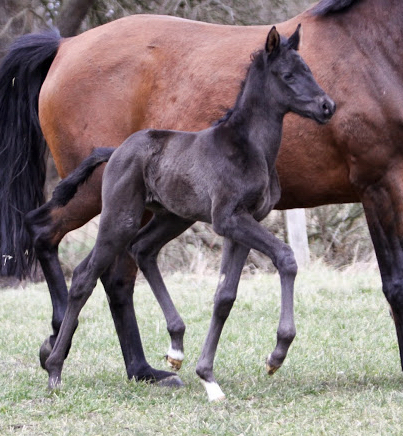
297	235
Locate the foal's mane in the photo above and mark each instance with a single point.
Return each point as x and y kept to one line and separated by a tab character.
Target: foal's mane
256	58
325	7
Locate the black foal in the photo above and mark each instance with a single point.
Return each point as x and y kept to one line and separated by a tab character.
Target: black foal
224	175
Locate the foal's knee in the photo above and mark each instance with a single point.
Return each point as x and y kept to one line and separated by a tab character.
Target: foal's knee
80	291
286	263
118	281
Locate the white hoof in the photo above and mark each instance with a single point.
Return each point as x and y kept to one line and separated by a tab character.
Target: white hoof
175	358
175	354
214	391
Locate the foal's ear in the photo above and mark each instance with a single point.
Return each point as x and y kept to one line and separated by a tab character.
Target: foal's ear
293	40
273	41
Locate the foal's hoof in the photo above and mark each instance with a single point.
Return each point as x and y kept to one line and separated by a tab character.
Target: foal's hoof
271	368
175	364
174	358
44	352
213	390
54	384
172	382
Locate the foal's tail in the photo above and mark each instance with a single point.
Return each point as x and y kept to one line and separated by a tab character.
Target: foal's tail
22	146
67	188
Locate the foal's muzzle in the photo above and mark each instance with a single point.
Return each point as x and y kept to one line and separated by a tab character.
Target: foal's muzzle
327	108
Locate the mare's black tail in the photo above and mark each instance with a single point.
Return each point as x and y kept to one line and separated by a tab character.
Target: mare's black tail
22	146
67	188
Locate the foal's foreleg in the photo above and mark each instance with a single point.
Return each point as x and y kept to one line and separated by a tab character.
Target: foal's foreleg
149	241
233	260
244	229
118	281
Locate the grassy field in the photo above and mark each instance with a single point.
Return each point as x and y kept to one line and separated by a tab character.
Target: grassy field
342	375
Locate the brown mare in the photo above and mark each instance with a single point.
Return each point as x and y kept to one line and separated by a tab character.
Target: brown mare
164	72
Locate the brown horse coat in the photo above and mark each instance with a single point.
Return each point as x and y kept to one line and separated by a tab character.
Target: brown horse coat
176	74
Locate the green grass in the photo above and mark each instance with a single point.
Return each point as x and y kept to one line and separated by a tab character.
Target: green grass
342	375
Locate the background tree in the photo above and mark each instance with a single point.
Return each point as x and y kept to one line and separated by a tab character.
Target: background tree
71	15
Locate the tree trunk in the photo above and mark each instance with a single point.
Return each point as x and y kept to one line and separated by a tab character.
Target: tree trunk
71	16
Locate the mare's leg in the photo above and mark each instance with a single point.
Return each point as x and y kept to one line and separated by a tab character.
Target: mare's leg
383	205
149	241
233	260
47	226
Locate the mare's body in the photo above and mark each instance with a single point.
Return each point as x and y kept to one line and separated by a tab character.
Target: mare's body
164	72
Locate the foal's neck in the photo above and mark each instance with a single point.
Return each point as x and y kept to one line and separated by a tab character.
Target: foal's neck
257	122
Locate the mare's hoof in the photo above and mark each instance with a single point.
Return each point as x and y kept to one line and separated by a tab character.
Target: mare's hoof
44	352
175	364
172	382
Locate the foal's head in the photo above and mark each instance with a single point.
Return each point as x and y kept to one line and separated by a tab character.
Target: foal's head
290	82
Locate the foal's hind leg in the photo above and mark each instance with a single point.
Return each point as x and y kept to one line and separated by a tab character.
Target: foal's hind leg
84	280
118	282
120	221
149	241
233	260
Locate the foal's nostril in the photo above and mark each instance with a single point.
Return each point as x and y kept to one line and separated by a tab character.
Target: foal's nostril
329	108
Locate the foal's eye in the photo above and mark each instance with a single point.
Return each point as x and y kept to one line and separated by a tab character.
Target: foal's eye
287	76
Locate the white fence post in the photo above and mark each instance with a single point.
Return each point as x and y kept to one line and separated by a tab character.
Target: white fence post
297	235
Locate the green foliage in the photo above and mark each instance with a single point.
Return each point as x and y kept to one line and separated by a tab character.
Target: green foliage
342	375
